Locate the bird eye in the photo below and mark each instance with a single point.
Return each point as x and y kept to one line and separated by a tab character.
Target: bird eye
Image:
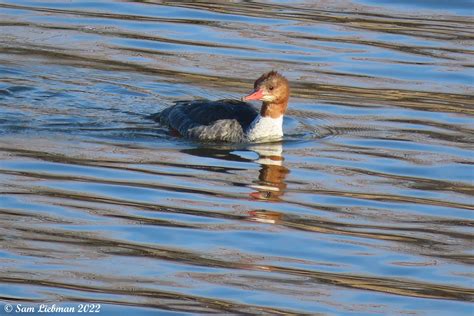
270	88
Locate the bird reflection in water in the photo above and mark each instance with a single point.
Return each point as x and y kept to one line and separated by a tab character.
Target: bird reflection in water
269	186
271	180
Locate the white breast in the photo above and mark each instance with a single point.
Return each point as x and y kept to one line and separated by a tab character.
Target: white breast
265	128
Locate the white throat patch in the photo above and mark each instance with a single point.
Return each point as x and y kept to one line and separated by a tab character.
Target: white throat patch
265	128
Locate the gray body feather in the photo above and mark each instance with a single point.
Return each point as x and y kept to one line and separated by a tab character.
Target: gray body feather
222	120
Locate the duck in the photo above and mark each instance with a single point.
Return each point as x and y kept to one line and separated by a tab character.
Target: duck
229	120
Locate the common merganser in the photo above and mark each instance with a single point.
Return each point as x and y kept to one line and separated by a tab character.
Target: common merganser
232	120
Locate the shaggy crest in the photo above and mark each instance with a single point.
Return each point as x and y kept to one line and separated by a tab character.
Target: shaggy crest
268	76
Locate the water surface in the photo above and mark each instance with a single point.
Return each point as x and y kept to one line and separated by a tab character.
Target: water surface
364	208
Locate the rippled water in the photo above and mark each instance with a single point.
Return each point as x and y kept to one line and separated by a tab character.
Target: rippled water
364	208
